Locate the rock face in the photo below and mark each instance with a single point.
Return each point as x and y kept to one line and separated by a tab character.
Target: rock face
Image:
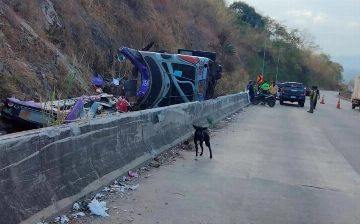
52	18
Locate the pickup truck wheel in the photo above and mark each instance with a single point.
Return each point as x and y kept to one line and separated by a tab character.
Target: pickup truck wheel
353	106
281	102
301	104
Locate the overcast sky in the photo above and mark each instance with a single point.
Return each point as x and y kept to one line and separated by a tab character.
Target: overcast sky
335	24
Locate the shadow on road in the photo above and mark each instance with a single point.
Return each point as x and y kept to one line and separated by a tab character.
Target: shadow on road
290	104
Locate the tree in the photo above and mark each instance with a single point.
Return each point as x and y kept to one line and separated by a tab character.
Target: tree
247	14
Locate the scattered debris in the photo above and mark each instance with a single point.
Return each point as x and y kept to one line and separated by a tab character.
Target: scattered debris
75	215
106	189
153	153
134	187
144	168
63	219
133	174
98	208
154	164
98	196
74	109
122	189
76	207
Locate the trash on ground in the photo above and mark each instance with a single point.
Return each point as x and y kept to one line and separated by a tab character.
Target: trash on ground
134	187
125	184
145	168
106	189
75	215
76	206
122	105
133	174
154	164
153	153
98	208
122	189
98	195
63	219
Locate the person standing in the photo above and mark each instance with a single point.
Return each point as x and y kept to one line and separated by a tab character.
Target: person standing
254	87
250	88
265	88
312	99
273	89
318	96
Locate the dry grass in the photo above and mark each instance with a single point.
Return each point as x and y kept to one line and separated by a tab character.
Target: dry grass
94	30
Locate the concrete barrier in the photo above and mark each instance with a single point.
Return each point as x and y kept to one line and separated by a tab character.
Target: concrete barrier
344	95
44	171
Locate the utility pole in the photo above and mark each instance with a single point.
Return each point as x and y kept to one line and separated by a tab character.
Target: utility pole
277	66
262	72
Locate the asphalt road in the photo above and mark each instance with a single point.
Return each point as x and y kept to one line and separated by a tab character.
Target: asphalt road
270	165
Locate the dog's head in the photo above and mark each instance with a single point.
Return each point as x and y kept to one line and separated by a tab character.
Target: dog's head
199	131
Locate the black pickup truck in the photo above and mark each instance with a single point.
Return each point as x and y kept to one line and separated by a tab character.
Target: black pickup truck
293	92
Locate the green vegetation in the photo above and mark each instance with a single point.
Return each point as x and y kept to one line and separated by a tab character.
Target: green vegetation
211	122
290	56
51	117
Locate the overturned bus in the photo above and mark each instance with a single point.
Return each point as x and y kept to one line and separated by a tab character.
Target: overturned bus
160	79
165	79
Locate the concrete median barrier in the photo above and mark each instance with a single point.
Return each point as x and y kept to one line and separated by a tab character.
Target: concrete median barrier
43	172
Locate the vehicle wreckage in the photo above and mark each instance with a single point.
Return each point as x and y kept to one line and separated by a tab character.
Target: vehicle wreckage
160	79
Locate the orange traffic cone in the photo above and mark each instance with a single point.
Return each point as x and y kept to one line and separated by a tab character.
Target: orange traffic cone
338	105
322	100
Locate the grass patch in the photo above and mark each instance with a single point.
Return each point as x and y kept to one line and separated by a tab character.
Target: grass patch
211	122
63	107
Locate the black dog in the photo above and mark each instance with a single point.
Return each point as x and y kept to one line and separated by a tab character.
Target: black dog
202	136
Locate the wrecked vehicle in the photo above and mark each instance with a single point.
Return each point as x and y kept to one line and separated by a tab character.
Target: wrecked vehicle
160	79
165	79
36	115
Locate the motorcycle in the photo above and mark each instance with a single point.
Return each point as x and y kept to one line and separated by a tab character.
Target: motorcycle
264	98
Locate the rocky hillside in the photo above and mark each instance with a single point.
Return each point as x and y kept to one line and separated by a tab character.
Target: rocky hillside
43	40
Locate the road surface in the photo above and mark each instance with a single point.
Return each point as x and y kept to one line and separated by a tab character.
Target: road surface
270	165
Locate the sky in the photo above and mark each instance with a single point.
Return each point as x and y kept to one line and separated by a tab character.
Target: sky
333	24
